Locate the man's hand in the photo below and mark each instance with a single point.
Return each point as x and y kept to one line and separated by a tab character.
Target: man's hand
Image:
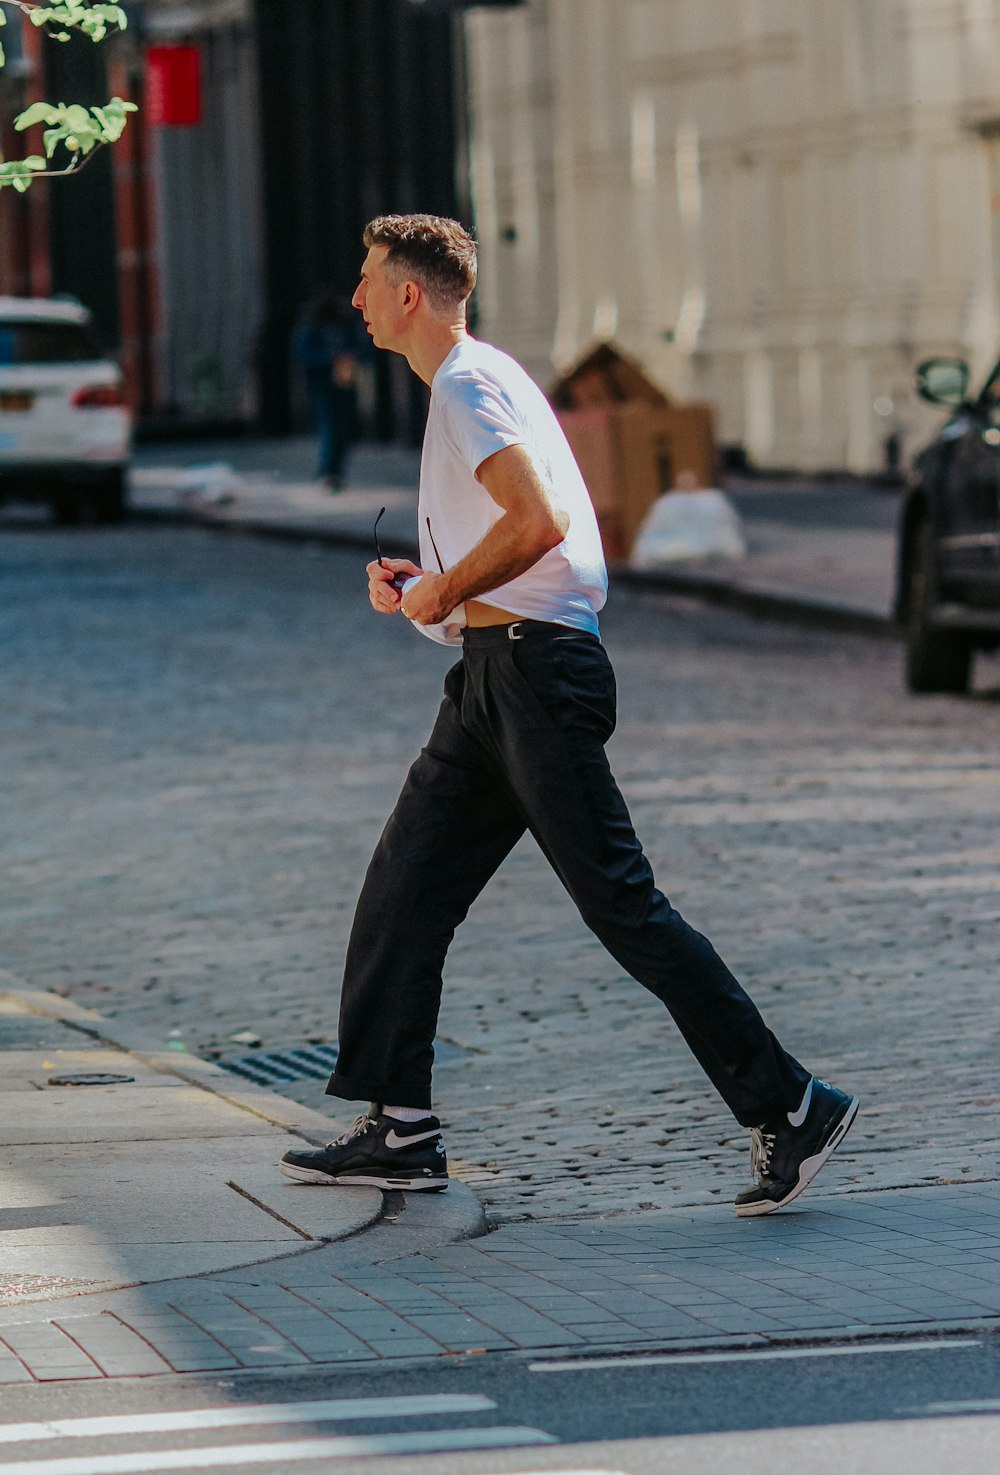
430	601
383	597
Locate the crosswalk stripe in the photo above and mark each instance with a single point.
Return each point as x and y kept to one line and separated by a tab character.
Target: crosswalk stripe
421	1441
260	1413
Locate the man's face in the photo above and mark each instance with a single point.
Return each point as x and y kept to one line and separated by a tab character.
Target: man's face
379	301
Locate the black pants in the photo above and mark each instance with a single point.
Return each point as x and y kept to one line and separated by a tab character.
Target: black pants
519	744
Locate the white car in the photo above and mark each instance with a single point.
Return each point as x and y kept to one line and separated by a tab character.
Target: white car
65	430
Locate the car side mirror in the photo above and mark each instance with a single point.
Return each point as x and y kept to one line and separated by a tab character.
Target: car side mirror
943	381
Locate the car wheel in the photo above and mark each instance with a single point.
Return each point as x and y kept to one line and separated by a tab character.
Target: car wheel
936	660
108	503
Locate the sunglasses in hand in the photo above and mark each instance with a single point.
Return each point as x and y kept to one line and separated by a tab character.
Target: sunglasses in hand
398	580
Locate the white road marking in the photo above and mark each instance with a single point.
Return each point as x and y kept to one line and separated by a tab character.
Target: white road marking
421	1441
764	1354
259	1413
967	1406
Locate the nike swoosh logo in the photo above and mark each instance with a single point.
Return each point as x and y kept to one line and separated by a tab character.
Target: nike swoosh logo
391	1140
796	1118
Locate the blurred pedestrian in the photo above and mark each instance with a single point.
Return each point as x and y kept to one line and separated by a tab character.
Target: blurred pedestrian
326	347
513	573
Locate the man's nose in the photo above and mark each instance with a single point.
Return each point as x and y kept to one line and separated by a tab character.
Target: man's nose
357	300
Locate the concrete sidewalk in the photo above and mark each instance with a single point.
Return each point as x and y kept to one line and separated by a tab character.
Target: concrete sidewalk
837	575
830	577
130	1165
145	1231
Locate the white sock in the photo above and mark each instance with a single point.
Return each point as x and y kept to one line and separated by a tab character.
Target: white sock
406	1113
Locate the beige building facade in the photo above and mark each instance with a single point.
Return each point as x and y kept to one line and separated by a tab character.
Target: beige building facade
777	205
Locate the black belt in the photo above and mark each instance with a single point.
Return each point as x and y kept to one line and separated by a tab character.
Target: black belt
479	635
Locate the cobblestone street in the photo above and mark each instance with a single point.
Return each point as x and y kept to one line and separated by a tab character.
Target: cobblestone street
202	736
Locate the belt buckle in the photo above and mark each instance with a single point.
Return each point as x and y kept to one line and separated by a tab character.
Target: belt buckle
513	630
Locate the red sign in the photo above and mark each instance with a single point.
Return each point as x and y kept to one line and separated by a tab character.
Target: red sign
173	86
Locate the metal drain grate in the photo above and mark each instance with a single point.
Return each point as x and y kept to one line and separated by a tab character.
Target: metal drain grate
280	1067
306	1062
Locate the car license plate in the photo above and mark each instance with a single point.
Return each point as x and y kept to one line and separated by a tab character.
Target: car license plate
16	399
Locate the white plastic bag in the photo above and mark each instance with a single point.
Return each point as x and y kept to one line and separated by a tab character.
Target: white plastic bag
688	525
213	485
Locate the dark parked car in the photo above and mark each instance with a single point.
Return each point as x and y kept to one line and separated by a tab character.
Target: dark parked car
948	588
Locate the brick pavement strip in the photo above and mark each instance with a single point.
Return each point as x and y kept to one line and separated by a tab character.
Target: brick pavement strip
757	1293
12	1369
49	1353
118	1350
713	1282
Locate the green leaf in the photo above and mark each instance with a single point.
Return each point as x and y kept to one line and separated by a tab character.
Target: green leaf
20	172
39	112
111	128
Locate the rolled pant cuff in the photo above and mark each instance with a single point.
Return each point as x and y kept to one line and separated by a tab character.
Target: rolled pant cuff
359	1088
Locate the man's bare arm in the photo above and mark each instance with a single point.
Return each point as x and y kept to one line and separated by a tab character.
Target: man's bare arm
530	526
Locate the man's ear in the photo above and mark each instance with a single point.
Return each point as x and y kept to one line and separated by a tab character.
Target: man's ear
411	296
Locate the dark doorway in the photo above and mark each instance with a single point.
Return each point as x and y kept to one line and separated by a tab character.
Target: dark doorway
360	116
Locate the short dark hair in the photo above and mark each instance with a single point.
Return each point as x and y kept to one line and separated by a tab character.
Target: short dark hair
437	253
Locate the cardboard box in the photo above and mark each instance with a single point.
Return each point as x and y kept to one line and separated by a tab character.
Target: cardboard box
631	441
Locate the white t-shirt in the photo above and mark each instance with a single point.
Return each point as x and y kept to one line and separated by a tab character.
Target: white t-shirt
481	402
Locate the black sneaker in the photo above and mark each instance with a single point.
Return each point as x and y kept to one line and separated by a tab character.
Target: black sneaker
378	1151
786	1154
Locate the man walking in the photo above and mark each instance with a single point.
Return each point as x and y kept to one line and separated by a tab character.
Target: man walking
512	571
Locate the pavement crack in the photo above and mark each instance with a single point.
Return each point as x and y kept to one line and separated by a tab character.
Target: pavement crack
260	1204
